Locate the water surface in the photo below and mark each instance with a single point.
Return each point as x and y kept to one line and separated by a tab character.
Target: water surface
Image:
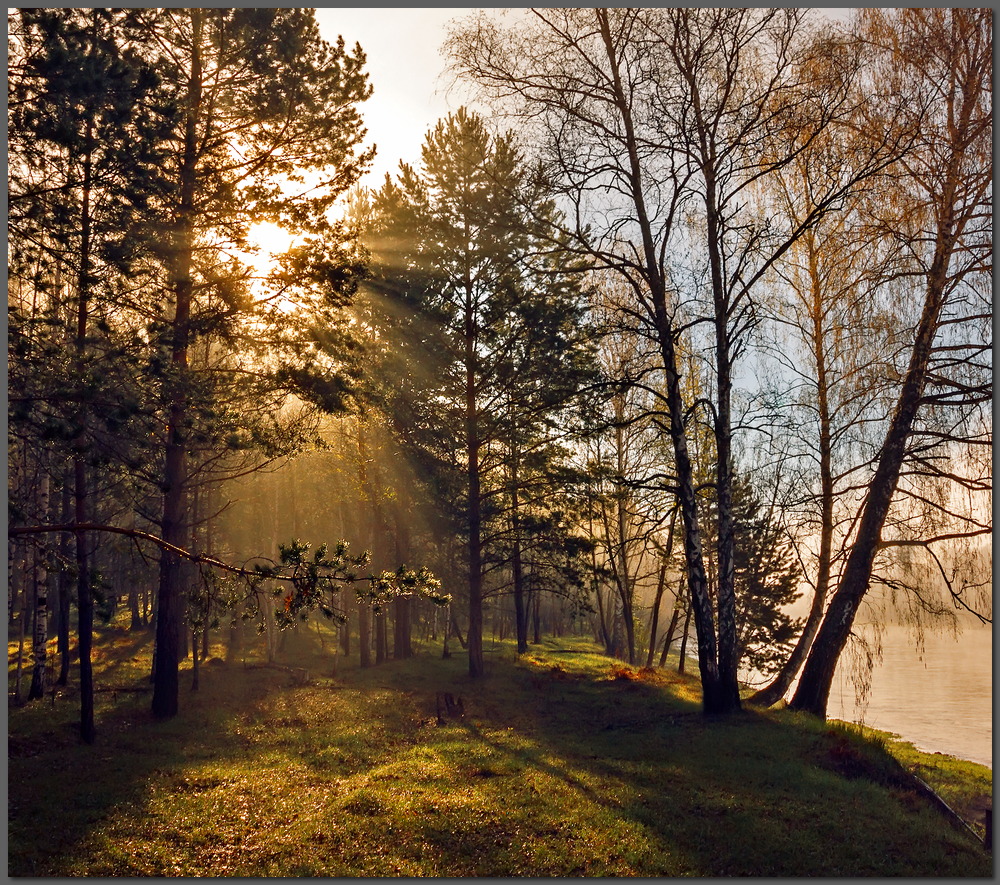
940	698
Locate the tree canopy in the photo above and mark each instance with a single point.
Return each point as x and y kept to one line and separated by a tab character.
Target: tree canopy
693	307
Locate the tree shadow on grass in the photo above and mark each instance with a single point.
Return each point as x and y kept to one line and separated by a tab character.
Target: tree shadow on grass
743	795
60	790
549	773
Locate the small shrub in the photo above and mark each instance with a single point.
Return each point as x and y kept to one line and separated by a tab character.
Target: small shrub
623	672
855	756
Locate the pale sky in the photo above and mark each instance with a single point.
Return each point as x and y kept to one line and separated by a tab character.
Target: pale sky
406	69
412	91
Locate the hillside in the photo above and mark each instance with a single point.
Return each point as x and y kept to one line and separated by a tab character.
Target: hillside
563	764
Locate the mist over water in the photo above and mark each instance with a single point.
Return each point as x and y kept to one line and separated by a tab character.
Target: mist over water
938	697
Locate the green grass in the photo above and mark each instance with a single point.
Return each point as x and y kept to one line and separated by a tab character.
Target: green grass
967	787
565	764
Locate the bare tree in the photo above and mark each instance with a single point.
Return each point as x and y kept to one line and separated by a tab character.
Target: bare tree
835	335
626	463
577	77
940	60
658	126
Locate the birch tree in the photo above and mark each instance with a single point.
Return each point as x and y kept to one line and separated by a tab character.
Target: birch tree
940	60
656	125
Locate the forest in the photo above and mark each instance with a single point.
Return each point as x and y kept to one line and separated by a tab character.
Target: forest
678	339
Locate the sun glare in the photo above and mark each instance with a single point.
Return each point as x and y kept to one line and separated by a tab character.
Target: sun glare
265	242
268	240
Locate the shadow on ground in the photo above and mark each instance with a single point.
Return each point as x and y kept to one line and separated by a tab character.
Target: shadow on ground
556	768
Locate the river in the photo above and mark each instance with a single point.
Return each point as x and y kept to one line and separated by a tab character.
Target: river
939	698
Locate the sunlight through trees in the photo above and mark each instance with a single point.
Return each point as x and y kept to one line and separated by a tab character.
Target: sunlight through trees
687	324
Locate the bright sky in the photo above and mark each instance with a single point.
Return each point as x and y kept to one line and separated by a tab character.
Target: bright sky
406	69
412	91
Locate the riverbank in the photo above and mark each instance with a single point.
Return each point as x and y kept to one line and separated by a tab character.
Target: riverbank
562	763
965	786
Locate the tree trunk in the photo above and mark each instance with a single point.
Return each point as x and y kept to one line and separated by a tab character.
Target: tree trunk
445	651
681	662
364	635
184	628
367	525
168	620
668	640
775	691
345	629
402	646
402	628
173	524
475	551
195	671
270	639
64	552
234	648
602	620
603	631
813	691
40	636
660	585
716	697
458	632
65	589
210	550
21	630
11	555
133	608
381	640
623	578
85	604
729	694
517	567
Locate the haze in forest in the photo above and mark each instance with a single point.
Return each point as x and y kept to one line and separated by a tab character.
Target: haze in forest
665	330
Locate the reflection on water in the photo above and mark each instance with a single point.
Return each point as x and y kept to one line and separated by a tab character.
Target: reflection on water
940	698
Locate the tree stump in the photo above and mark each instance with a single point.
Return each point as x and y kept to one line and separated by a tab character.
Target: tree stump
448	707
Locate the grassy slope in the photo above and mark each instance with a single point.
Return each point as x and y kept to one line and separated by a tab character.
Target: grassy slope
558	768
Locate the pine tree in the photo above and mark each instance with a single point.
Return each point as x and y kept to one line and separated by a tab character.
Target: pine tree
768	578
262	102
482	320
145	145
84	162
